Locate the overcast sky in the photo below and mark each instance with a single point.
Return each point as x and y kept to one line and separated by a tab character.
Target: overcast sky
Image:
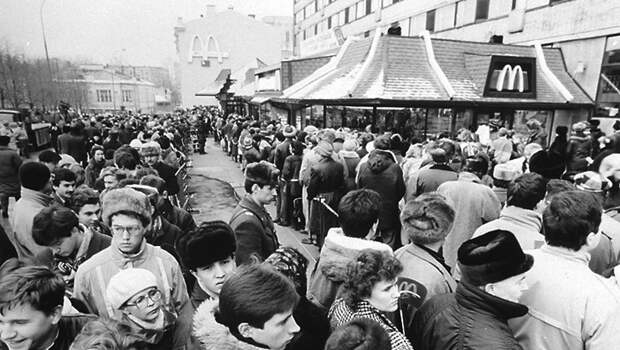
138	32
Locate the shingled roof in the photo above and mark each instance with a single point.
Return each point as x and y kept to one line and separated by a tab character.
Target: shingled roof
398	71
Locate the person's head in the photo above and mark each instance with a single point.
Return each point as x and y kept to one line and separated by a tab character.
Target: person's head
31	300
150	152
208	252
97	153
557	186
292	264
156	182
579	127
164	142
533	124
85	203
324	149
526	191
477	165
35	176
439	156
64	183
530	149
593	182
111	176
107	334
427	219
58	228
127	213
571	220
371	277
495	263
358	212
297	148
503	174
359	334
125	160
50	159
134	292
261	181
257	303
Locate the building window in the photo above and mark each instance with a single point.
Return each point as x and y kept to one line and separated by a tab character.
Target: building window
346	15
368	7
514	5
367	34
361	9
316	6
482	9
430	21
329	22
316	29
104	96
127	96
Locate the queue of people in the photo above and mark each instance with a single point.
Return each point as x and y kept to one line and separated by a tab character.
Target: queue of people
462	243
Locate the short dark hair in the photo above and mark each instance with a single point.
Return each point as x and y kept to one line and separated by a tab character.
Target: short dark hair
254	294
125	160
49	156
570	217
526	191
155	182
358	211
367	269
359	334
53	223
557	186
477	165
36	286
63	174
82	196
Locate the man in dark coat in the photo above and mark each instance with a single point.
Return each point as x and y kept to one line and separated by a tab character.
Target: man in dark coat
283	151
10	162
254	230
324	191
381	173
474	317
73	143
151	153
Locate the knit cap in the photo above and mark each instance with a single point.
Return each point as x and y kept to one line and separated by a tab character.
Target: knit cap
127	283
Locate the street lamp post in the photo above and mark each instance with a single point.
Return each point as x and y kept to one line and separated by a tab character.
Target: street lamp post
47	56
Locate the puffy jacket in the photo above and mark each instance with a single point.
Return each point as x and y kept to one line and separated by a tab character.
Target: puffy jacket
467	319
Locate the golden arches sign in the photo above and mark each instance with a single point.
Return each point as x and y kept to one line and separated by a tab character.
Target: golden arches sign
514	75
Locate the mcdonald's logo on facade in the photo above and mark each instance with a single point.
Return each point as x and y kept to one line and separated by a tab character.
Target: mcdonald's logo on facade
511	77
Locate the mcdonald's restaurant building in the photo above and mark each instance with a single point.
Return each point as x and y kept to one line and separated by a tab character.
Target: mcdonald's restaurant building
422	86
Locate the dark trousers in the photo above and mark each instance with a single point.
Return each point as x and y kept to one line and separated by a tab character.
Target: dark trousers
321	218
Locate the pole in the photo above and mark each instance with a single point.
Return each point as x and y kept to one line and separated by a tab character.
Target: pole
47	56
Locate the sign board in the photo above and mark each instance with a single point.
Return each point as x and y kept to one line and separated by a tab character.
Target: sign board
322	42
512	77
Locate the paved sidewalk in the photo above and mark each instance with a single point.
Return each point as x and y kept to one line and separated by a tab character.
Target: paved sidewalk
213	197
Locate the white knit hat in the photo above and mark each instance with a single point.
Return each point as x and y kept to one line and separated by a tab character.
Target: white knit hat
126	283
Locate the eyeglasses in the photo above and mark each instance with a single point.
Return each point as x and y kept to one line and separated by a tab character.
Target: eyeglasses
132	230
142	301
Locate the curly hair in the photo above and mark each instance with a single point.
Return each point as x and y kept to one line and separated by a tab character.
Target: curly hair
366	270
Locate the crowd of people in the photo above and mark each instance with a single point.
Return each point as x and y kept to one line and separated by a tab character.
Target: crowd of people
471	242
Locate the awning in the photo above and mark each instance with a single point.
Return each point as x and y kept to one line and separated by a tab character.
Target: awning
264	97
389	70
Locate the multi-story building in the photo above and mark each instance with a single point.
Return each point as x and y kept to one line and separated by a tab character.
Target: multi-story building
587	31
156	75
225	41
107	90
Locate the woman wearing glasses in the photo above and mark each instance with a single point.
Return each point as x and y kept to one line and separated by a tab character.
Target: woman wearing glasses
136	299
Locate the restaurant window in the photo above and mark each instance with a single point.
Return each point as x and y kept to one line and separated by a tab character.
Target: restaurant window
608	98
482	9
512	77
430	21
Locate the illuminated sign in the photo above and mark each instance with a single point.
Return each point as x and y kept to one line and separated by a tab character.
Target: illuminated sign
513	77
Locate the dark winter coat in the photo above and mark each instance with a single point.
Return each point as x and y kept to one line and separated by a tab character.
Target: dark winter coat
73	145
92	171
10	161
467	319
578	149
326	176
254	231
429	179
167	173
380	173
281	152
350	159
251	155
176	216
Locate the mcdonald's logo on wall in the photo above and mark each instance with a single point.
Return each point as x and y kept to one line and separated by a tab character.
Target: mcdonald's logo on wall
512	77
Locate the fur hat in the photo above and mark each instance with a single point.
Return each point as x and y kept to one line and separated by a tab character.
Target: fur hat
311	129
127	283
324	149
150	148
349	145
210	242
591	181
248	142
492	257
382	143
428	218
34	175
580	126
505	172
292	264
125	199
262	172
289	131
